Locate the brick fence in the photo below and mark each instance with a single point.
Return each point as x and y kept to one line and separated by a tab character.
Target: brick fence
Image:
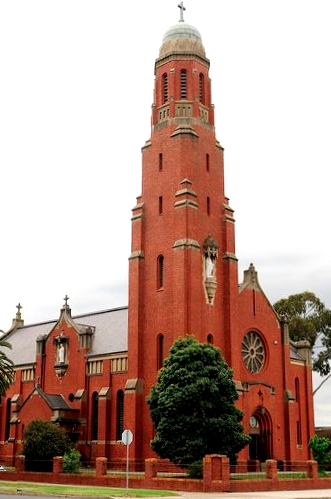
216	477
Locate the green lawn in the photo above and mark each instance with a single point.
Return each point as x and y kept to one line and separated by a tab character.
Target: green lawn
80	491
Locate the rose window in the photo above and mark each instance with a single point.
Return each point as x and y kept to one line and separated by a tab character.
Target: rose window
252	351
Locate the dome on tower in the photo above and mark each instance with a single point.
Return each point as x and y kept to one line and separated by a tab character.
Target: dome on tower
182	37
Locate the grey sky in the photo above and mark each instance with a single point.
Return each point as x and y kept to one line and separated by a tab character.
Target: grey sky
75	98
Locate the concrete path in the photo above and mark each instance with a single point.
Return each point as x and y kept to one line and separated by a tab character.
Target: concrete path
284	494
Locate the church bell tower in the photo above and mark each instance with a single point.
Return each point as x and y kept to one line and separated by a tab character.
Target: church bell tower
183	268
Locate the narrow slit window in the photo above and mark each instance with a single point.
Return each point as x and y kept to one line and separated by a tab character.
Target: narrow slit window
95	415
207	162
160	272
164	88
160	205
202	88
208	205
160	162
160	348
120	415
183	84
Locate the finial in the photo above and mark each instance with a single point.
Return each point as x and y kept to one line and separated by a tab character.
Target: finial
18	313
66	298
182	8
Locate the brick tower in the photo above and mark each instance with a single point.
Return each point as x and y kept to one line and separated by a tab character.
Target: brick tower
183	269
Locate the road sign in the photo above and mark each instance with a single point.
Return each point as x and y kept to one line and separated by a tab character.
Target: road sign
127	437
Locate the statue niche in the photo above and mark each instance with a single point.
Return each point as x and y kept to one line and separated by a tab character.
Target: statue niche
210	254
61	359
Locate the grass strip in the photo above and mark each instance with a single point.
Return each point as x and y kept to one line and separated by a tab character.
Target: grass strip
78	491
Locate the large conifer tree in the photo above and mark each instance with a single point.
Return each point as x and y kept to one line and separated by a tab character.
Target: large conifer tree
192	405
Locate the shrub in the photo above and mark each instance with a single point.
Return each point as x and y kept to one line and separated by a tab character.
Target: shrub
71	461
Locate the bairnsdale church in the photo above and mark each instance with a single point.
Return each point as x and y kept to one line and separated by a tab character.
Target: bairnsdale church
91	373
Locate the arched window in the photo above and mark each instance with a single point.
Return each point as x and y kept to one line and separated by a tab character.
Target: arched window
95	414
201	88
160	271
164	88
8	417
210	339
160	344
120	415
183	84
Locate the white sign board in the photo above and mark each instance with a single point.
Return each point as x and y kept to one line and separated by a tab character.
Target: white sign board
127	437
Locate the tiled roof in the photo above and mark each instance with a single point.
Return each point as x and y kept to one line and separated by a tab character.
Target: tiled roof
110	335
56	402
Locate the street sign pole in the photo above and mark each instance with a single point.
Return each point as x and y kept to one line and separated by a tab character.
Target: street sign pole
127	438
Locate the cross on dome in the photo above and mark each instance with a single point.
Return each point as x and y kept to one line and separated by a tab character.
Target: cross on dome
66	298
182	8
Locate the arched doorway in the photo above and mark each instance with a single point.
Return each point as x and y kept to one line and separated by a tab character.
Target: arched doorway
260	431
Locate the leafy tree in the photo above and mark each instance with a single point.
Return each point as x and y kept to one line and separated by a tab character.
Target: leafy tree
321	448
6	368
309	319
42	441
192	405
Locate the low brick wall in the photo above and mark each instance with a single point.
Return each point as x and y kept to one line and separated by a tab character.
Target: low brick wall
216	478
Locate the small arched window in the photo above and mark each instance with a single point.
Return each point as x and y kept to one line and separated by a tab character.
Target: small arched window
95	416
120	415
183	84
160	345
210	339
201	88
164	88
160	272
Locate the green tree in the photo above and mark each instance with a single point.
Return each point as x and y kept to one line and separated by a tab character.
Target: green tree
192	405
309	319
321	448
6	368
42	441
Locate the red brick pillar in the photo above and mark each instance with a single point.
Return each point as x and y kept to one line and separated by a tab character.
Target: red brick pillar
312	469
225	473
57	465
150	469
216	468
207	473
101	466
20	463
271	469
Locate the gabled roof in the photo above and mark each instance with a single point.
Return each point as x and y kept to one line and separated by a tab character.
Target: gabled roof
110	335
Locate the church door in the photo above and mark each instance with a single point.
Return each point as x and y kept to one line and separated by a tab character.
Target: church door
260	447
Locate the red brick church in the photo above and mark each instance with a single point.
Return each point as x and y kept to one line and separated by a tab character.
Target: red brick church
91	373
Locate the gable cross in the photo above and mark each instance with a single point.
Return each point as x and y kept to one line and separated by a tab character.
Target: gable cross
182	8
19	307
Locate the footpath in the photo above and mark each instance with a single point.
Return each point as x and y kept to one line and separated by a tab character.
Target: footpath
284	494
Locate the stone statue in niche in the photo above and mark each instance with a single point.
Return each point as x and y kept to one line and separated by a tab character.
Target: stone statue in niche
61	353
209	266
210	254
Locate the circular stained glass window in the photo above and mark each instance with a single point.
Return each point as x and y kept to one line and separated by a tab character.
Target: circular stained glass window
252	351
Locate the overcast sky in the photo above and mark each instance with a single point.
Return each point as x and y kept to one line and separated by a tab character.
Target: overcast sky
76	88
